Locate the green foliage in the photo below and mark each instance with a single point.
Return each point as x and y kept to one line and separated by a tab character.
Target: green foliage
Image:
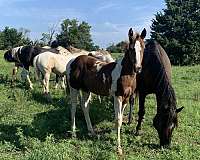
33	129
76	34
118	48
177	28
10	38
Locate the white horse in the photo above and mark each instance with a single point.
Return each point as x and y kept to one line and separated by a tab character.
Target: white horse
48	62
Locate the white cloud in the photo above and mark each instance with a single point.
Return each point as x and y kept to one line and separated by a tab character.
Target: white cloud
106	6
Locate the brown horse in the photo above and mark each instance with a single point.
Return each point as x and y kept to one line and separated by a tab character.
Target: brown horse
118	79
156	78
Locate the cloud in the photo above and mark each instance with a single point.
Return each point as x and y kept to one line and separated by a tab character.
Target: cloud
106	6
41	13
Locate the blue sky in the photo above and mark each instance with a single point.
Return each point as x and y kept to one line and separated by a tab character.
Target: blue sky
110	19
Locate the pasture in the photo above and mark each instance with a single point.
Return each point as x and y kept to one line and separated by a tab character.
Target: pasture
32	128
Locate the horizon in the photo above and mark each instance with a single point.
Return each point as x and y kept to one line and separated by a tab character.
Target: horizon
109	20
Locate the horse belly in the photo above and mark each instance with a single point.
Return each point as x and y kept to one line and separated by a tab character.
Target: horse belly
99	85
60	67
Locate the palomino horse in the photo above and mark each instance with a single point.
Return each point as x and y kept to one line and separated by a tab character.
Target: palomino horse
23	56
156	78
118	79
48	62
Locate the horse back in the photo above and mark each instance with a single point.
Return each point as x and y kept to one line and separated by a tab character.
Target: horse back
89	74
155	64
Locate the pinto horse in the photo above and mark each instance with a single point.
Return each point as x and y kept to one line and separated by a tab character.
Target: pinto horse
23	56
156	78
117	79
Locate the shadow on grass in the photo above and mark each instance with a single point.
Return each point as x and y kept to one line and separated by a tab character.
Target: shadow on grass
58	120
152	145
7	81
9	134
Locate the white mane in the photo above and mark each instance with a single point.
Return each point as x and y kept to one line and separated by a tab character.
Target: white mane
63	51
15	50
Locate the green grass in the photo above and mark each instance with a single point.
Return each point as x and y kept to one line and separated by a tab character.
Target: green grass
31	128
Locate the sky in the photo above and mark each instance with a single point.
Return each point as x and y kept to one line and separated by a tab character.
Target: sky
109	19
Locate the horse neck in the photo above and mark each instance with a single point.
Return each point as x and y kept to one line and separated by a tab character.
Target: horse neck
165	95
127	66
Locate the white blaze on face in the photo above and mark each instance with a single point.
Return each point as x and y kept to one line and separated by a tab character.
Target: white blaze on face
138	50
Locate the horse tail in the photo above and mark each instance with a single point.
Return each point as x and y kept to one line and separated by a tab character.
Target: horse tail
37	70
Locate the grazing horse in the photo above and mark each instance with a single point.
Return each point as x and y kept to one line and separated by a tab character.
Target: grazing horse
23	56
156	78
117	79
48	62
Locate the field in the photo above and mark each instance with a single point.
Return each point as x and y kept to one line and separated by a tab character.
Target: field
32	128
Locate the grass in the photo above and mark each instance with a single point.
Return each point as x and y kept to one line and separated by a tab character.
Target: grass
33	129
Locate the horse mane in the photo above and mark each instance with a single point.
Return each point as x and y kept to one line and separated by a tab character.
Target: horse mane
73	49
168	90
63	51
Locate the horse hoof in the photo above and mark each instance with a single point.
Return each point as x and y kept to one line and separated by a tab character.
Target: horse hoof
119	151
48	97
138	133
31	87
56	87
91	134
73	135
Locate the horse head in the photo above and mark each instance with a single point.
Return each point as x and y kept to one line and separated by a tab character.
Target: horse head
166	120
11	55
136	48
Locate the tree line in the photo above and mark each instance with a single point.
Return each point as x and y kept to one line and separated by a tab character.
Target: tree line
72	32
176	28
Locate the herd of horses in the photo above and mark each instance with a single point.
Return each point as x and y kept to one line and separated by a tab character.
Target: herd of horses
144	69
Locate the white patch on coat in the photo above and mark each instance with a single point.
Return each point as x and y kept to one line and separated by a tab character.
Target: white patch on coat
138	50
14	51
98	65
115	76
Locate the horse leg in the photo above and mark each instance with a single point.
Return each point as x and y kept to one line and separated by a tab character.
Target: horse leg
46	86
140	113
86	96
63	82
73	97
14	73
28	78
57	81
131	103
118	118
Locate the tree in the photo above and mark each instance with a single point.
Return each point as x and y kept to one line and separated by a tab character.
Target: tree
76	34
47	38
10	38
177	28
118	48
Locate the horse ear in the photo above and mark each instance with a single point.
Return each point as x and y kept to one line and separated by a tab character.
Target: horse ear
130	32
179	109
143	34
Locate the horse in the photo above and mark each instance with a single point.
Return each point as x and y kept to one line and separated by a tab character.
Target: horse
117	79
48	62
155	77
23	57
